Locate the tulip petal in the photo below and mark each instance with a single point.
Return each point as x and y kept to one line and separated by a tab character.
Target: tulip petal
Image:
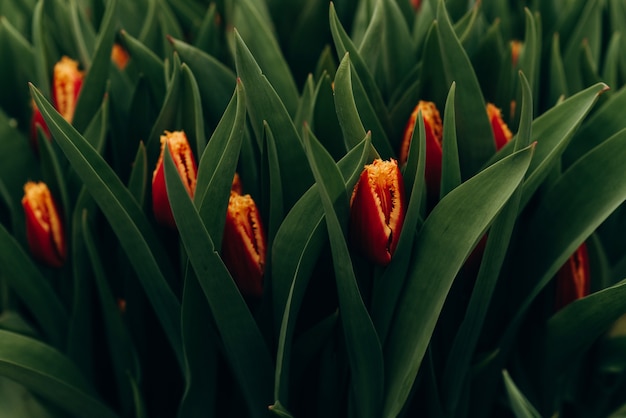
243	245
377	210
44	230
187	169
67	81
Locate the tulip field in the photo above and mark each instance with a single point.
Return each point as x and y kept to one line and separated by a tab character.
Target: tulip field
312	209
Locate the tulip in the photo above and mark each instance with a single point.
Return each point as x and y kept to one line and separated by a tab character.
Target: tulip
119	56
416	4
377	209
44	229
185	162
243	245
236	186
501	132
516	49
573	278
434	129
66	84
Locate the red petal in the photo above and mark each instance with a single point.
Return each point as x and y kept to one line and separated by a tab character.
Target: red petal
377	210
67	82
185	162
243	245
573	279
501	132
44	229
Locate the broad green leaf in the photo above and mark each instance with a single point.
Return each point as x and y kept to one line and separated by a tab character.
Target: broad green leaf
215	80
552	132
530	55
387	47
148	63
217	166
167	119
272	196
264	104
519	404
295	251
558	87
325	123
578	202
362	343
586	30
138	180
95	82
20	273
572	331
347	112
84	33
135	234
49	374
344	44
200	342
475	139
40	57
264	46
450	168
191	110
123	355
448	235
244	345
463	347
601	125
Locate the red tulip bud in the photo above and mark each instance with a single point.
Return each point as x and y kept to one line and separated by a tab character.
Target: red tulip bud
119	56
516	48
243	245
377	209
434	131
44	229
501	132
67	81
573	279
185	162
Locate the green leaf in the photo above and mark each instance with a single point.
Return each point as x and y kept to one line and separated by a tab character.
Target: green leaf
578	202
148	63
362	343
264	104
387	47
191	110
135	234
463	347
450	168
123	355
552	132
244	346
21	274
347	113
95	82
448	235
572	331
50	374
344	44
296	249
264	46
217	166
475	139
200	342
558	87
215	80
520	405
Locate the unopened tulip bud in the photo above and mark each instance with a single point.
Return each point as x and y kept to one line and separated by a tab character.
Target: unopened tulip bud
434	150
501	132
243	245
377	209
67	82
44	228
185	162
573	279
119	56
